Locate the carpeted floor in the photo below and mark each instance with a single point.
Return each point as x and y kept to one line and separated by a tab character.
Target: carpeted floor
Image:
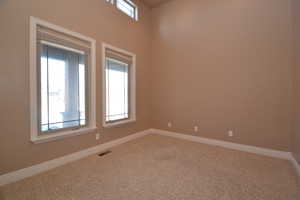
161	168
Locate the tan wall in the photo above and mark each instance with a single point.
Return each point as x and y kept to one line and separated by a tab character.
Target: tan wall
221	65
93	18
296	127
216	64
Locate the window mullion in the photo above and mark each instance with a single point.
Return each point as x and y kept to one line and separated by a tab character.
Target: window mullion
108	91
124	90
48	118
78	89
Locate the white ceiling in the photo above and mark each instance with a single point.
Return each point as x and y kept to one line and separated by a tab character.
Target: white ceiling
154	3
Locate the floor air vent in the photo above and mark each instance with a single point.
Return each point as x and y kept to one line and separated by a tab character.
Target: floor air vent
104	153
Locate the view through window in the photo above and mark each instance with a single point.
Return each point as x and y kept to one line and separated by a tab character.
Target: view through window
62	88
116	90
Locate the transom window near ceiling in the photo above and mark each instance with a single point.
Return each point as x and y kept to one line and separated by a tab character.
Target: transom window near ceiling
126	6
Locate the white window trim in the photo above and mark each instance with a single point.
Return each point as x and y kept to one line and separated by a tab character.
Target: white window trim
136	14
132	89
135	17
34	136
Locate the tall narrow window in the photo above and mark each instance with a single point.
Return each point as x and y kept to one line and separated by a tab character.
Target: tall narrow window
62	81
116	90
119	81
62	87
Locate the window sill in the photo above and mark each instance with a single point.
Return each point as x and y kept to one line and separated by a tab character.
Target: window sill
61	135
118	123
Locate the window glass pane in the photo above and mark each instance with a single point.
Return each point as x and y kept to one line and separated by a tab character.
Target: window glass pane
56	85
82	93
62	88
116	90
126	7
44	90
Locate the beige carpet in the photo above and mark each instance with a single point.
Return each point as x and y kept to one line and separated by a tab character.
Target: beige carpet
161	168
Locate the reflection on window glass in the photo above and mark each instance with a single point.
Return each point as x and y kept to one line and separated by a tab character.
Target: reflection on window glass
62	89
116	90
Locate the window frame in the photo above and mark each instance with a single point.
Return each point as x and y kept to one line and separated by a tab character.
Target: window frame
131	3
131	88
62	47
35	135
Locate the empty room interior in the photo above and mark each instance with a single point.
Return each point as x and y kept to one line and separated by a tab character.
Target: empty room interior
150	100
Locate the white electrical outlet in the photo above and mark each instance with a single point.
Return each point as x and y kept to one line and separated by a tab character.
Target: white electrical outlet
230	133
97	136
196	128
169	124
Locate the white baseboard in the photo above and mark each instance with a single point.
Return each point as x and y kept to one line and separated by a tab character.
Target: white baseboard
229	145
45	166
240	147
295	164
